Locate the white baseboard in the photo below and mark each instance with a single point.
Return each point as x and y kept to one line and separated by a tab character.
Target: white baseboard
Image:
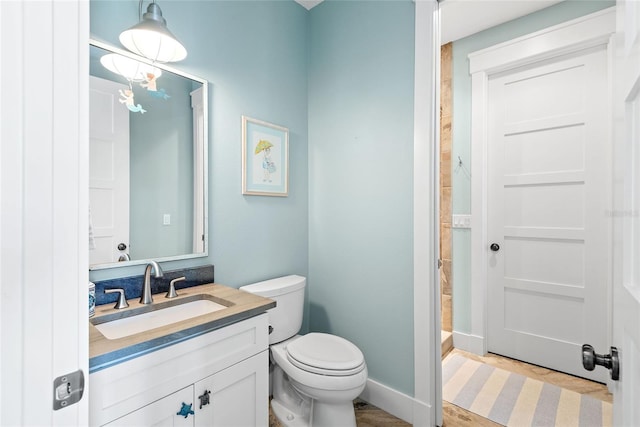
467	342
396	403
422	415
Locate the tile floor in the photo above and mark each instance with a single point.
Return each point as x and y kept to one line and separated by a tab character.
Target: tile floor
370	416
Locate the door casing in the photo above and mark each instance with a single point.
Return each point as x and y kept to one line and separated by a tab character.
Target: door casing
581	33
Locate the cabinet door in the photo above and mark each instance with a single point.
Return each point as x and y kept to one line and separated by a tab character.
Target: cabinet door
163	412
239	395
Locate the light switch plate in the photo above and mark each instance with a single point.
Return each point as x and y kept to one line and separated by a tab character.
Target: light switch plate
461	221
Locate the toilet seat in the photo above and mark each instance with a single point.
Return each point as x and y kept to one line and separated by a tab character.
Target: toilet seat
303	379
325	354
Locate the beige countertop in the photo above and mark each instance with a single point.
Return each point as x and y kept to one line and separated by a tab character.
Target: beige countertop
104	352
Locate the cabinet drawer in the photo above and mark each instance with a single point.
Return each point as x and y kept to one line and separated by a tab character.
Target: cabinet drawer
123	388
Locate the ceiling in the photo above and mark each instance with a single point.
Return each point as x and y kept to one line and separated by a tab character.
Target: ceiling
308	4
461	18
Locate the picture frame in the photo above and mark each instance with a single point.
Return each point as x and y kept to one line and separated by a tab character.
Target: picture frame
265	158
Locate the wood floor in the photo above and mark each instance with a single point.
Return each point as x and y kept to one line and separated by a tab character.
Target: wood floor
366	416
370	416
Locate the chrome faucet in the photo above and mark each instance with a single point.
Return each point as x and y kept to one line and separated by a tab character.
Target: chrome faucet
146	297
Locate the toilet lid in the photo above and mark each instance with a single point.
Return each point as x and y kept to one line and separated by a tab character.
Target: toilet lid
325	354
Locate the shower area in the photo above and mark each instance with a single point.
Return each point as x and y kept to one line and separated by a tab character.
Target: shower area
445	196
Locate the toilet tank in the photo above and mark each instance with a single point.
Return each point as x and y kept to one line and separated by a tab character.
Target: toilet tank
286	316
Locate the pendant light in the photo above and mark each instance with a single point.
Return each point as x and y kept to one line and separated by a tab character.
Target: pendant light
152	39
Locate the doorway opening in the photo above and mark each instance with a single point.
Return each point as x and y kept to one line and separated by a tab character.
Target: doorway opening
455	156
446	294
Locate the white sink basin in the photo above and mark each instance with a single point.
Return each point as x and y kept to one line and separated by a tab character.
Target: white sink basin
131	325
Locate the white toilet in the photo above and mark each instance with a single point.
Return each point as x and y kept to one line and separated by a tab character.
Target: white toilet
315	376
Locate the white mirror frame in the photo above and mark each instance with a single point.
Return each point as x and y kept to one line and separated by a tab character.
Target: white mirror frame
201	174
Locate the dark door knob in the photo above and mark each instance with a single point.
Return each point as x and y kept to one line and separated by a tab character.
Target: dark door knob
494	247
610	361
122	247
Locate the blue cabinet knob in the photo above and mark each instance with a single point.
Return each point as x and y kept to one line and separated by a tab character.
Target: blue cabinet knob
185	411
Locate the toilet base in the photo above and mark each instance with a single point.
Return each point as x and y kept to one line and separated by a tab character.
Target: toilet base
325	415
286	417
322	415
293	408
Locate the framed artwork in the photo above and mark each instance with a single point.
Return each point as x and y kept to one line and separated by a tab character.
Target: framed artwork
265	158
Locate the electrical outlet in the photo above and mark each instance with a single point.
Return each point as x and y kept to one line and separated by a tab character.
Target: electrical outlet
166	219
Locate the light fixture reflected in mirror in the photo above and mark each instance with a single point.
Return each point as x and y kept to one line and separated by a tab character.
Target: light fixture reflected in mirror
152	39
134	71
130	69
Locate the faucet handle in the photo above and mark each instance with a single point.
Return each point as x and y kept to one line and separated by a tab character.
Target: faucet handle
122	301
172	289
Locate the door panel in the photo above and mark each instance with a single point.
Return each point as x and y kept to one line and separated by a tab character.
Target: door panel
539	152
533	259
543	204
563	85
547	203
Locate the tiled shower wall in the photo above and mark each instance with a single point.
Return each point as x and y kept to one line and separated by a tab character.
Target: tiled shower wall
445	184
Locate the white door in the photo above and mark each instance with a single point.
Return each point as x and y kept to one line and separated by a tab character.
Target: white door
548	199
43	215
108	171
626	281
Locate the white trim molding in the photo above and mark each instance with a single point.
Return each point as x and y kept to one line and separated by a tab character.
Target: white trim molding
392	401
581	33
426	405
467	342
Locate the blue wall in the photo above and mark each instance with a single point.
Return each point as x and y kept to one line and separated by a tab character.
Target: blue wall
161	172
361	180
253	53
347	68
461	183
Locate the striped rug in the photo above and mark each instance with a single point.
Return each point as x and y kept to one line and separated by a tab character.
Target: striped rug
511	399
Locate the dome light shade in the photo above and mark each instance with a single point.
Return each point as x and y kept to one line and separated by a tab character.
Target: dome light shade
130	69
152	39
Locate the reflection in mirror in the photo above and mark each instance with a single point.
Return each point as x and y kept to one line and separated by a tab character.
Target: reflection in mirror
147	161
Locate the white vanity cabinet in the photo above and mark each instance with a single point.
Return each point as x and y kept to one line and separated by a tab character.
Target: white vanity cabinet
231	363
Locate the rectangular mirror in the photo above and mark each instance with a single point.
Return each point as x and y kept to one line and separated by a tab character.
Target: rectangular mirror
147	161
